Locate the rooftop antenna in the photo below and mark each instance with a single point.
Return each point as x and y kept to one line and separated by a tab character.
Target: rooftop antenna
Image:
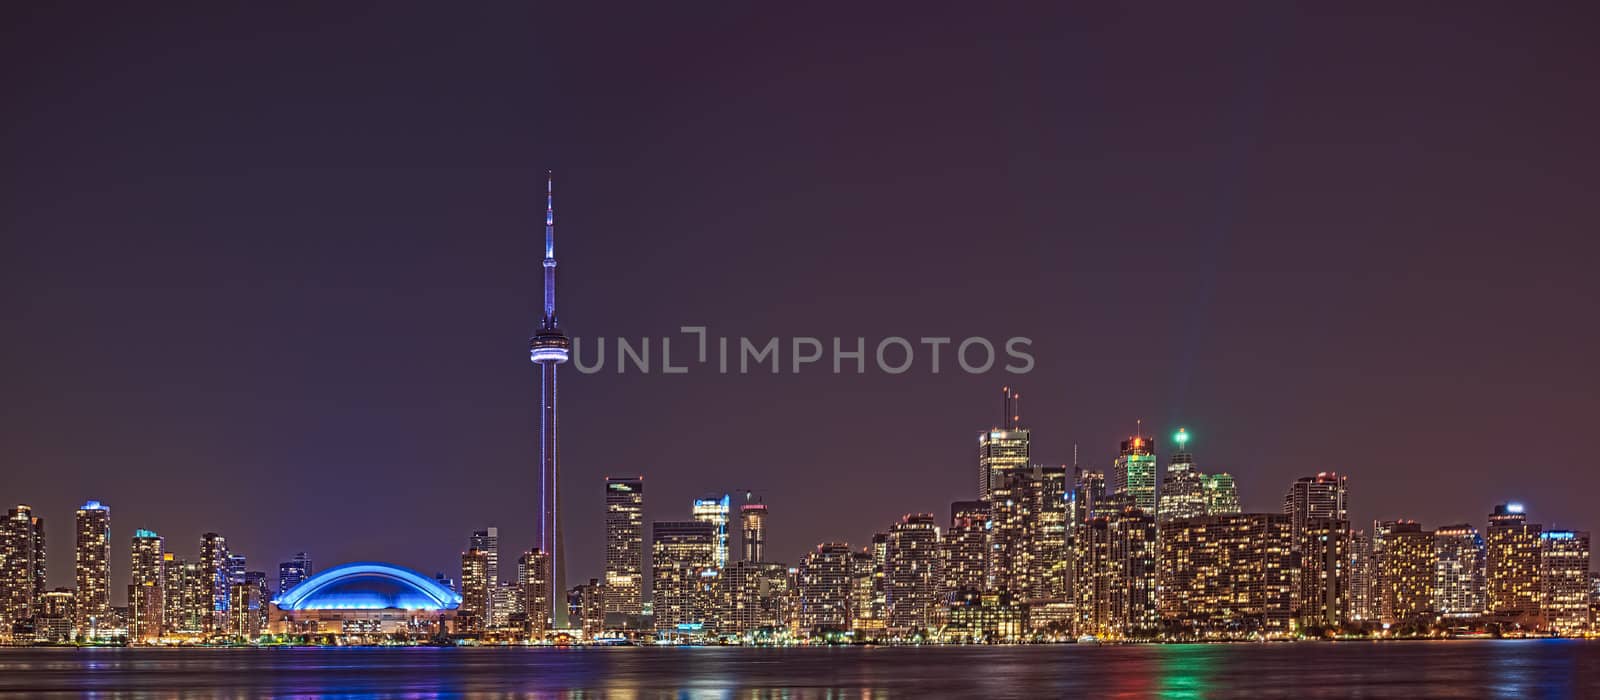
1016	416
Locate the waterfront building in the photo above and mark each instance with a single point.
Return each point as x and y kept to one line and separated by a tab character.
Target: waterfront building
1363	589
473	615
979	617
1459	578
22	569
366	600
1134	472
868	595
1324	496
589	608
624	583
1114	574
683	569
92	571
505	606
213	598
1228	576
824	589
292	572
56	617
753	531
1564	574
1324	597
147	588
533	578
715	510
753	595
1512	567
966	548
1408	564
913	575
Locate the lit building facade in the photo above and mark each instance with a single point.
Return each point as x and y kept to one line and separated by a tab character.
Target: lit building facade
824	589
624	583
364	600
533	577
92	570
753	531
22	568
291	573
1512	567
683	568
1324	496
913	575
1459	577
715	510
999	453
472	616
1222	494
1408	563
214	567
1228	576
147	588
1325	576
1134	472
1564	573
966	546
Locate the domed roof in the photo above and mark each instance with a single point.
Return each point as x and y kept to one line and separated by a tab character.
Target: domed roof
368	586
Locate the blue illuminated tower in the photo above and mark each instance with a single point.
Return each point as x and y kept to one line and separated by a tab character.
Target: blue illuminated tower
548	348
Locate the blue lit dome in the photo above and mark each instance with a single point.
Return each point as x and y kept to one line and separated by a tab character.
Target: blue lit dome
369	586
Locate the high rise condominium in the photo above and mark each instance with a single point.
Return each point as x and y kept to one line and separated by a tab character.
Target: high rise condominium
624	582
92	569
147	587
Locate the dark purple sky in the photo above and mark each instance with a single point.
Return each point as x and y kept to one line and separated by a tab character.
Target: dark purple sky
269	269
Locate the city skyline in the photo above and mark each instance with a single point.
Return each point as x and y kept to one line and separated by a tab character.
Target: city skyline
311	278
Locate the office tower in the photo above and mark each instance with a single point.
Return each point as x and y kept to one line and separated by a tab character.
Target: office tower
1564	573
1512	567
487	541
1221	494
1458	579
292	572
715	510
1114	577
868	601
753	535
1002	449
22	569
147	588
549	348
1311	497
624	547
1090	496
247	605
1183	493
1228	576
824	589
214	567
682	555
1027	546
1363	606
473	615
533	571
912	578
56	616
1135	472
966	547
92	597
1407	562
1325	575
589	607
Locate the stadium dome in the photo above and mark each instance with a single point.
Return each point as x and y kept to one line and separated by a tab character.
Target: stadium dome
368	586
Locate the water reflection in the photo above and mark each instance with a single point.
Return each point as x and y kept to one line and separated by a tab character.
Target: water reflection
1397	669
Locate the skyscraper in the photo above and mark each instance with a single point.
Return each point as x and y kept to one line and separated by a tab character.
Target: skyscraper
1363	588
549	348
146	589
1564	573
1311	497
715	510
1222	494
1183	487
215	586
1003	449
487	541
1135	472
624	584
92	599
533	571
753	531
966	547
912	590
1324	596
22	569
824	588
1458	579
292	572
682	556
1512	566
473	615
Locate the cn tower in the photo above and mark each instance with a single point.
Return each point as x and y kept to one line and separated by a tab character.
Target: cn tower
548	348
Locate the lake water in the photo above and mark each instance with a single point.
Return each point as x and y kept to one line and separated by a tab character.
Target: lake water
1543	668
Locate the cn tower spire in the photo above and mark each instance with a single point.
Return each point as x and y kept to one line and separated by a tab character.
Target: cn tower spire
549	322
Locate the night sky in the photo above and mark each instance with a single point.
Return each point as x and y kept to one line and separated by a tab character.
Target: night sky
269	269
